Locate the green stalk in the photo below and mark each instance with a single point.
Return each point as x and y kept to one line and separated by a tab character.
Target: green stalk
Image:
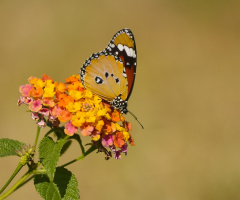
15	186
11	178
36	139
90	150
22	181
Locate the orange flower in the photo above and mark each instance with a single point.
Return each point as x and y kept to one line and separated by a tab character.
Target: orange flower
36	92
49	102
118	139
131	140
60	87
72	79
64	116
127	126
46	77
74	86
64	100
86	131
116	115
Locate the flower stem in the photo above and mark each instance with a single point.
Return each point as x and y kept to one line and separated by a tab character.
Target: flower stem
15	186
90	150
11	178
22	181
37	136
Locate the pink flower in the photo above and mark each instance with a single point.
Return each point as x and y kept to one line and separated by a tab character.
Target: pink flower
48	102
35	105
41	123
23	99
124	148
20	101
86	131
34	116
27	100
107	140
25	90
44	112
70	129
56	111
117	154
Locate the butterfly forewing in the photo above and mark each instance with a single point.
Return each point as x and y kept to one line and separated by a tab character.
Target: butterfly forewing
123	45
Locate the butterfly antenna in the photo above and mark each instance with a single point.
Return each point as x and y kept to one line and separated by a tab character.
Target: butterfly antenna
136	119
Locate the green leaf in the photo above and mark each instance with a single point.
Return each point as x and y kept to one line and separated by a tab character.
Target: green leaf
67	184
49	153
9	147
64	185
66	146
78	139
48	190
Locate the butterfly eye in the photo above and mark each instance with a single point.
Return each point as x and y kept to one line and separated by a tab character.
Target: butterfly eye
99	80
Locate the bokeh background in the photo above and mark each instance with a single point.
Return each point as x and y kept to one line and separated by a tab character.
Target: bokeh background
186	92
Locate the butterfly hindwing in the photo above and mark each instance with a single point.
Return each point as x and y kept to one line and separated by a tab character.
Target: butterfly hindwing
123	45
104	75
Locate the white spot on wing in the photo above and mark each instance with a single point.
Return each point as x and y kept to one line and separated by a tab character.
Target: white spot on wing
127	50
134	54
112	45
131	52
120	47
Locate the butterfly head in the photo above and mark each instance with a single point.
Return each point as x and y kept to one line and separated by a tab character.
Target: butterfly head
120	104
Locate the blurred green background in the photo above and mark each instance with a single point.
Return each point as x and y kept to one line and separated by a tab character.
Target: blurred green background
186	92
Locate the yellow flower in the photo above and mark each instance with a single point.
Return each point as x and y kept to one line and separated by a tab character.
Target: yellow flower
97	100
49	84
61	87
99	125
108	116
90	117
126	135
32	80
102	112
78	119
75	94
39	83
119	128
48	92
73	106
96	137
87	94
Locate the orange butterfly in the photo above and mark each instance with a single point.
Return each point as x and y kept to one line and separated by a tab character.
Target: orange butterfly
111	73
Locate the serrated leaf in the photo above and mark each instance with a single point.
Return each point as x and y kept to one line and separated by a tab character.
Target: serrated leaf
78	139
49	153
64	185
67	184
9	147
48	190
66	146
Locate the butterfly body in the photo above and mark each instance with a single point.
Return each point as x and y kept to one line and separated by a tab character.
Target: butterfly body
111	72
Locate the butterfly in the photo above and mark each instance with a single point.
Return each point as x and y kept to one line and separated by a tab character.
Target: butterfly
111	73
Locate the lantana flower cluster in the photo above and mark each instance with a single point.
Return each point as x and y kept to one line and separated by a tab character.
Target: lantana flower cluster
54	102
